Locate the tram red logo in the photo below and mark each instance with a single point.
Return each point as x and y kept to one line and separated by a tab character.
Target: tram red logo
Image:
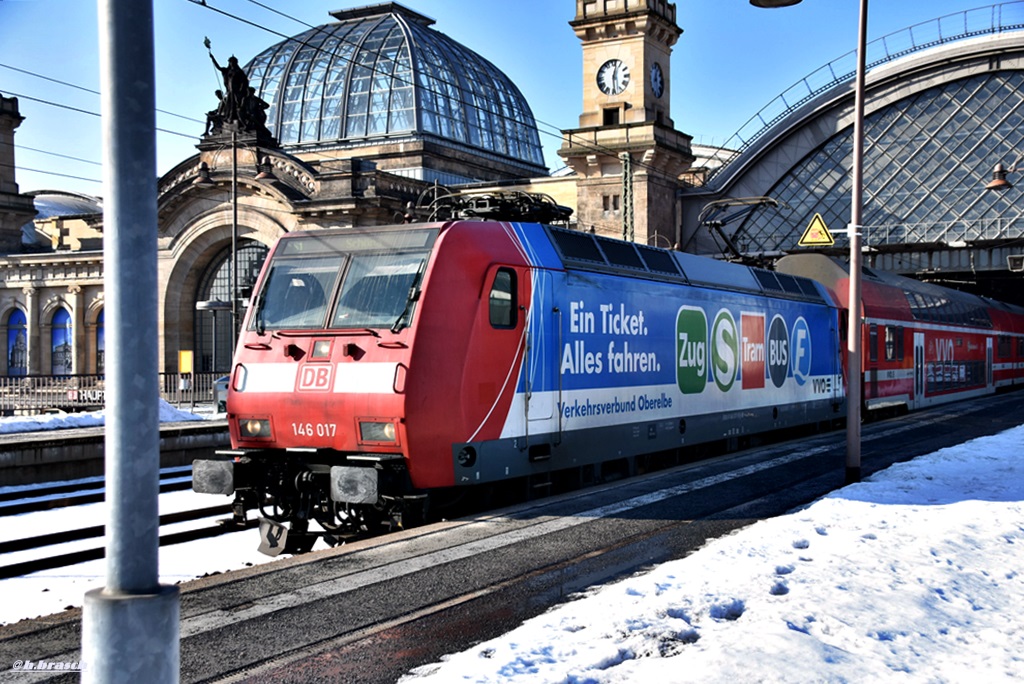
752	330
315	378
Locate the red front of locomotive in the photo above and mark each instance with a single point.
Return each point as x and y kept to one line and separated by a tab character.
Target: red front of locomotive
347	387
322	356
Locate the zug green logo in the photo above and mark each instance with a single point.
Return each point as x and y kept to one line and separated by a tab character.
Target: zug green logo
691	350
724	350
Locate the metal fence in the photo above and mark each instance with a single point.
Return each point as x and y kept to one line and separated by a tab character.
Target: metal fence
34	394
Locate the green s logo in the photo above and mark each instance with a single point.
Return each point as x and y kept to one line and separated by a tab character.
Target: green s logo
724	350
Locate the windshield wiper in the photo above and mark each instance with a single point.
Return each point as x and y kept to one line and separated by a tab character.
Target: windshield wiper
414	294
261	327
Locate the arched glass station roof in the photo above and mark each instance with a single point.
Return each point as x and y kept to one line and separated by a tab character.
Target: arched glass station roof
50	203
929	155
928	150
382	71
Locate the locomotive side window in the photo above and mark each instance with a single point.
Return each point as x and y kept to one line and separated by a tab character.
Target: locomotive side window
503	303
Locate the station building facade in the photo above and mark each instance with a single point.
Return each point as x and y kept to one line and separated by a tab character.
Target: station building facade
367	116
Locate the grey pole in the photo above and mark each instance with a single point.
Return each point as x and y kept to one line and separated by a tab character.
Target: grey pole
130	627
234	240
854	324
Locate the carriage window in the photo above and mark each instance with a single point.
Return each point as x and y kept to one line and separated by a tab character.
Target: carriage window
873	342
890	343
503	299
1004	347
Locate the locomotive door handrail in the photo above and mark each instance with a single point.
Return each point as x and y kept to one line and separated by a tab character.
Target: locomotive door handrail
527	390
558	405
837	355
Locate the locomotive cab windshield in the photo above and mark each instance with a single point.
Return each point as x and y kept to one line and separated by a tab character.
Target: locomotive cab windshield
348	280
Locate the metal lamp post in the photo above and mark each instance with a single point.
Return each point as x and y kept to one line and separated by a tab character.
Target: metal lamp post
203	180
213	306
264	172
854	331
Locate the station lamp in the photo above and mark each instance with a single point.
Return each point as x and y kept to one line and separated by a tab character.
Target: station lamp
999	181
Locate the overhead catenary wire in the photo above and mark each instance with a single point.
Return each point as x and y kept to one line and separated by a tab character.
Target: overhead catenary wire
86	90
51	103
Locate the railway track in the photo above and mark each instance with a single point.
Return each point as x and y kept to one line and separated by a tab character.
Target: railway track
33	499
44	497
60	560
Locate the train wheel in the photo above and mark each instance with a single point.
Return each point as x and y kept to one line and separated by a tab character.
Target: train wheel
275	510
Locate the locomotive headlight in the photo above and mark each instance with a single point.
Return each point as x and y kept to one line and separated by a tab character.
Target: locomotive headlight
254	428
376	432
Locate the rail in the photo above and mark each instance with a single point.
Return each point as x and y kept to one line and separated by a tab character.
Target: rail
980	21
36	394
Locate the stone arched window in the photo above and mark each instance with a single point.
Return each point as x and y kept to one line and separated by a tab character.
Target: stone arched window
213	318
101	343
61	338
17	343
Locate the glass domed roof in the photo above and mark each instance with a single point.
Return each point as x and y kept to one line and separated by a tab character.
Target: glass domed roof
382	71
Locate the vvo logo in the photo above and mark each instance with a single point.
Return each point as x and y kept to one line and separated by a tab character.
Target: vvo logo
315	378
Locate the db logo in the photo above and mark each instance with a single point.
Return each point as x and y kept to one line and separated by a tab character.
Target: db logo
316	378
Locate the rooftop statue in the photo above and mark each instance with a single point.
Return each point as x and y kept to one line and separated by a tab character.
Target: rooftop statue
239	108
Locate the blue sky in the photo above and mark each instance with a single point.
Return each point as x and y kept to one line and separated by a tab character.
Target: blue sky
731	60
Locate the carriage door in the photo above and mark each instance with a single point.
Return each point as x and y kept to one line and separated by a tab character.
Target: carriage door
918	399
541	360
988	362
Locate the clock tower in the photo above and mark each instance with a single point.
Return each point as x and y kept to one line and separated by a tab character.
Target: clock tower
626	152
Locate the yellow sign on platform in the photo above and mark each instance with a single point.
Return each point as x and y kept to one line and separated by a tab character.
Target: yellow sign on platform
817	234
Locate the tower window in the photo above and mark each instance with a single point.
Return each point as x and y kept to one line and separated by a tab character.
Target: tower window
611	116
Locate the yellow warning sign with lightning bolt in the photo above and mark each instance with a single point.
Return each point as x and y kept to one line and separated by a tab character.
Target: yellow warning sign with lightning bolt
817	234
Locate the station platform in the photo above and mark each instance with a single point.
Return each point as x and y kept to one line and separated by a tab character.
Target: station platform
75	452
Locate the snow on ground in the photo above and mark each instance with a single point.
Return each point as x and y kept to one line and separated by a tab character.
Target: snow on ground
61	420
914	575
51	591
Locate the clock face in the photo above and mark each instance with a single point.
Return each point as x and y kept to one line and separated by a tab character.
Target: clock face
657	80
613	77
